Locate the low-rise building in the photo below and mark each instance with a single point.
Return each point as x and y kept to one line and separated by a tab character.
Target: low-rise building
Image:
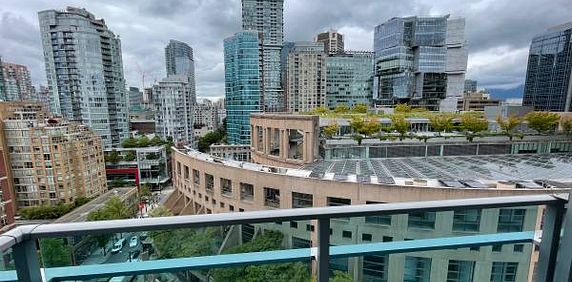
476	102
233	152
140	165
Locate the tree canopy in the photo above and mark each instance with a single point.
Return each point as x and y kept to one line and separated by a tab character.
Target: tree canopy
114	208
360	109
542	122
400	124
567	126
508	125
213	137
51	212
331	130
402	108
55	252
341	109
442	122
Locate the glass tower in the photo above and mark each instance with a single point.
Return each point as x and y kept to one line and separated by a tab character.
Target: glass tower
349	79
179	61
266	17
419	60
85	72
2	93
548	84
243	88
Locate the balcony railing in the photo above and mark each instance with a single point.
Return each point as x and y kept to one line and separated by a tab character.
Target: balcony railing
554	262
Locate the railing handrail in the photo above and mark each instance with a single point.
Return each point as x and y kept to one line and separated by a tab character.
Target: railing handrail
31	232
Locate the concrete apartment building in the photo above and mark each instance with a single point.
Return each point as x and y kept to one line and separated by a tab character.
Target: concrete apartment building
51	160
174	108
476	102
333	42
306	76
84	70
17	83
288	172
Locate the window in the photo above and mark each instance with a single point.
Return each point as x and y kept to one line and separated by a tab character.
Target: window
197	177
347	234
518	248
497	248
422	220
247	232
310	227
299	243
226	187
467	220
366	237
375	268
246	192
178	168
378	219
221	204
460	271
187	174
387	239
511	220
333	202
209	183
293	224
271	197
504	271
231	207
301	200
417	269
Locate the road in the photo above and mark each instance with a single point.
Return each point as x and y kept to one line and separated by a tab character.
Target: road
123	255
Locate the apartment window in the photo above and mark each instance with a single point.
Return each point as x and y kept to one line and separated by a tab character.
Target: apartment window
302	200
467	220
226	187
178	168
375	268
417	269
518	248
197	177
366	237
334	202
293	224
421	220
310	227
230	207
221	204
187	173
511	220
209	183
246	192
271	197
378	219
504	271
347	234
460	271
387	239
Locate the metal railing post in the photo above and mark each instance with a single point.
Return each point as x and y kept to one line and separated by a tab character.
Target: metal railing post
323	255
563	268
26	261
551	227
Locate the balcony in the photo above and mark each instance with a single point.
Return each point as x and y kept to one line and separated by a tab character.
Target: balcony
554	247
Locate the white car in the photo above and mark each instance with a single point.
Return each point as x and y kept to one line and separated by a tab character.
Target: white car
118	246
133	242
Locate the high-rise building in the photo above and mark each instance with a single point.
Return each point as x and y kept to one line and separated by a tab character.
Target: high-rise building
43	96
85	72
135	100
420	61
243	83
548	84
470	86
306	76
174	108
266	17
17	83
179	61
2	90
51	160
349	79
333	42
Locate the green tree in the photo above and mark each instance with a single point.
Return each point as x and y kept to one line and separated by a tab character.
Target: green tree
156	141
331	130
112	157
130	156
402	108
567	126
55	252
473	124
129	143
370	127
442	122
114	208
342	109
268	241
400	124
210	138
160	211
509	125
320	110
143	141
357	123
341	276
145	190
360	109
542	122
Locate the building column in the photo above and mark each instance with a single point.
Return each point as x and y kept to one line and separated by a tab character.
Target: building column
254	137
284	146
266	138
305	148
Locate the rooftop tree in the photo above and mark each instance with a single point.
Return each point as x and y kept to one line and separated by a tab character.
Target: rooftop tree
400	124
402	108
331	130
508	125
442	122
567	126
342	109
473	124
360	109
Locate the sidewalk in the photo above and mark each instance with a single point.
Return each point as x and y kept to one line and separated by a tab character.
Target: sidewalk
97	257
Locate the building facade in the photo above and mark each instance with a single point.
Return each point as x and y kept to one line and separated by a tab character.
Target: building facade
333	42
7	192
140	165
179	61
84	70
243	89
2	93
51	160
306	77
174	108
135	98
266	17
420	61
470	85
548	85
473	101
17	83
349	79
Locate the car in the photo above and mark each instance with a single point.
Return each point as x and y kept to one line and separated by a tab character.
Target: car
133	242
135	256
118	246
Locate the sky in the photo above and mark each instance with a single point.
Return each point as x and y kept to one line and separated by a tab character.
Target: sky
498	32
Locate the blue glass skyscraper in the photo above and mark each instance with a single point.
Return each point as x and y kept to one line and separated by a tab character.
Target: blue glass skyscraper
548	84
243	88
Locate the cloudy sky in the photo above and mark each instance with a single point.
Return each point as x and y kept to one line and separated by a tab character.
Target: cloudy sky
498	31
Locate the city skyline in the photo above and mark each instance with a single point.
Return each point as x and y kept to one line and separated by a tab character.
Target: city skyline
498	47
